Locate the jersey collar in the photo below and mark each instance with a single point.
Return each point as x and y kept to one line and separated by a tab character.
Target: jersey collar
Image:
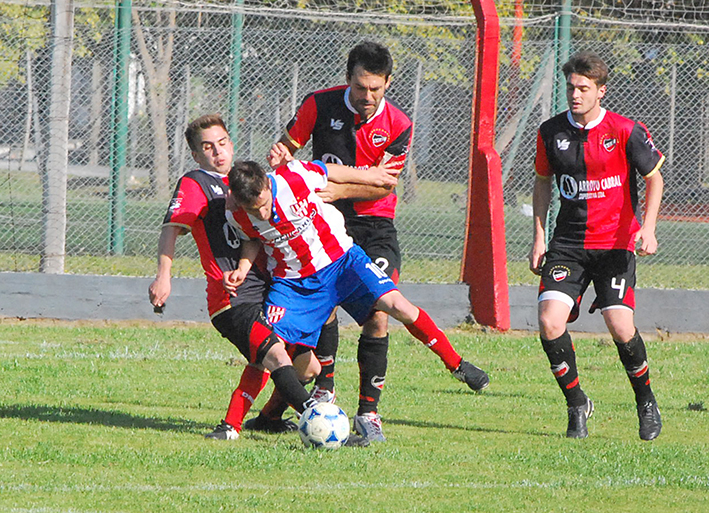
588	126
354	111
213	173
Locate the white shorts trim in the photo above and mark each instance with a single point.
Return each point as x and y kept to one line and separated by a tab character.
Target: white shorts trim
549	295
616	307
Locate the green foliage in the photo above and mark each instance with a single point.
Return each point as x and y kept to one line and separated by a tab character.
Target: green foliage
110	418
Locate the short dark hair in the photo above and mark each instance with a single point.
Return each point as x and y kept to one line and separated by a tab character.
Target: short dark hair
373	57
247	180
202	123
588	64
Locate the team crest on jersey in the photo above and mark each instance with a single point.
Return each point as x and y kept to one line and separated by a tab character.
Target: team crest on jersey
275	313
300	209
379	137
559	272
175	204
609	142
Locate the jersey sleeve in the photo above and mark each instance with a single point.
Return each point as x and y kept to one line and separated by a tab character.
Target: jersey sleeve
234	220
396	152
315	174
300	127
541	162
641	151
188	204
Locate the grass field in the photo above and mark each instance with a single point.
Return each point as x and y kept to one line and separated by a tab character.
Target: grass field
111	417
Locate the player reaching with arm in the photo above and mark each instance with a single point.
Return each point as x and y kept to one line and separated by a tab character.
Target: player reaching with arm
355	125
594	155
198	206
314	262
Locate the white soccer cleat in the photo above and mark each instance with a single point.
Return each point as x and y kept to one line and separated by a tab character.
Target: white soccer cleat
322	395
369	426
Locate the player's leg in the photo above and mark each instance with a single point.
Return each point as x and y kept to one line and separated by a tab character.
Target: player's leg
326	353
562	284
422	327
616	298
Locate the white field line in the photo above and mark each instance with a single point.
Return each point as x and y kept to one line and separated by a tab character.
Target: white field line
608	483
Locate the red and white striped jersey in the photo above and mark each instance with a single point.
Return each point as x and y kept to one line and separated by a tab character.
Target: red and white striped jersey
304	234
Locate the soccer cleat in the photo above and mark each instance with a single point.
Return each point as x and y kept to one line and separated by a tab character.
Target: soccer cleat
369	426
578	415
322	395
356	441
223	431
263	423
473	376
650	421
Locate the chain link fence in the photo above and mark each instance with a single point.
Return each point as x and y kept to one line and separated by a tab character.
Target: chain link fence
254	61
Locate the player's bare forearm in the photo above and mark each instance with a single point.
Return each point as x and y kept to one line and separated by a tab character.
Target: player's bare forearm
249	251
653	197
376	176
159	290
541	199
338	191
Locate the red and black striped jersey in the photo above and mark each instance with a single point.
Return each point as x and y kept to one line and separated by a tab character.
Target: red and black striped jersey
596	169
198	205
340	136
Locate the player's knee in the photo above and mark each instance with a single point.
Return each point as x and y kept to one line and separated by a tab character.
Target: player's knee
551	325
395	304
307	366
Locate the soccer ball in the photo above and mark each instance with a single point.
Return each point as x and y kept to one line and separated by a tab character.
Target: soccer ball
324	426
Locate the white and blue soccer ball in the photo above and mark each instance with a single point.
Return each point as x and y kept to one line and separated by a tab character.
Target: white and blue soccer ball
324	426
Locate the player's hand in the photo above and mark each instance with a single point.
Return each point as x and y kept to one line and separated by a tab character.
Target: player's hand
648	241
386	175
159	291
279	155
331	192
232	279
536	257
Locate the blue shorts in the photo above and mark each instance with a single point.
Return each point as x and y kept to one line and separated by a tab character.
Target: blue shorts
298	308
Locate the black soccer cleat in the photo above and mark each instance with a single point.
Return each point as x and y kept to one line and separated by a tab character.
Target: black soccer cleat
223	431
578	415
263	423
650	421
473	376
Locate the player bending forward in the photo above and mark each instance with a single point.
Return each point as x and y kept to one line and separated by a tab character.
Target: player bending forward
314	262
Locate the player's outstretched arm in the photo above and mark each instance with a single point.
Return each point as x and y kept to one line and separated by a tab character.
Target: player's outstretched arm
386	175
653	196
159	290
541	198
279	155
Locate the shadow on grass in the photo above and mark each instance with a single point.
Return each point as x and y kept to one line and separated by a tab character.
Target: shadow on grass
437	425
76	415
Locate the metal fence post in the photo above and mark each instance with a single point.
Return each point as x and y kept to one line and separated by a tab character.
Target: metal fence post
119	122
237	25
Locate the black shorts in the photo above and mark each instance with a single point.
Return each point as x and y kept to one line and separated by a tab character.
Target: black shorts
567	273
377	237
245	326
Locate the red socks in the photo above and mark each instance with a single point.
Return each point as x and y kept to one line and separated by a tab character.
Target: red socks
424	329
253	380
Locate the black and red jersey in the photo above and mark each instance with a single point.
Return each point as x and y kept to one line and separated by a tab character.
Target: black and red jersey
596	170
340	136
198	205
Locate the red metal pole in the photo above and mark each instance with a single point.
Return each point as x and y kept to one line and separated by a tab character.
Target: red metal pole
485	256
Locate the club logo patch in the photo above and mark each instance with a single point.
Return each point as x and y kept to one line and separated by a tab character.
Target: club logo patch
300	209
609	142
378	382
560	370
275	313
559	272
379	137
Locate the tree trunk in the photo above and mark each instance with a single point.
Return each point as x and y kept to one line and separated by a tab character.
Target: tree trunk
157	59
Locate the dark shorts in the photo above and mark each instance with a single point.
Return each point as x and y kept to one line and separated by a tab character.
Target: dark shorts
567	272
245	326
377	237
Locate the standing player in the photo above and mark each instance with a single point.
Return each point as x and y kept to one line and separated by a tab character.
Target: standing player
314	262
594	155
355	125
198	206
